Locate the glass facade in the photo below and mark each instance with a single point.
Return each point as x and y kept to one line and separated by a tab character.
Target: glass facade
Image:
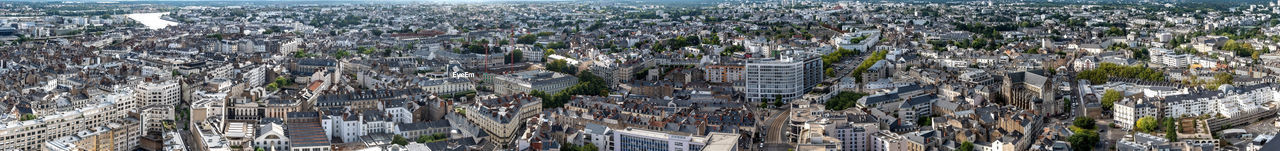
631	143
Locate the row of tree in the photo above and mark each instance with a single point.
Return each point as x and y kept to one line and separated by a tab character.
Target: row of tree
833	57
871	60
561	66
1104	70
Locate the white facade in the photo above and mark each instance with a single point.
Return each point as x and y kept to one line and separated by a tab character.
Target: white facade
447	85
1127	112
347	129
786	78
33	134
399	114
157	93
853	136
271	137
638	139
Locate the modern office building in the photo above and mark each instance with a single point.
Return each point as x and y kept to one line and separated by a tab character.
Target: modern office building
648	140
786	77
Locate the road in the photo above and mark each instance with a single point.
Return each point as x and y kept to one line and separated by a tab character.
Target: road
775	138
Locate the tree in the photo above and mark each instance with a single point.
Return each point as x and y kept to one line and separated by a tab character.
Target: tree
1222	78
273	86
966	146
560	66
777	101
282	81
844	100
367	50
515	56
1083	139
1110	97
1170	129
574	147
1104	70
731	49
866	64
260	149
1146	124
26	117
397	139
1084	123
1066	104
925	121
340	54
424	139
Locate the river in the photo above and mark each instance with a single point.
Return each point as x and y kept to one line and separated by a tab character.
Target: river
151	20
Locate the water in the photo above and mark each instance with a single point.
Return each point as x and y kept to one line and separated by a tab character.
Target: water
151	20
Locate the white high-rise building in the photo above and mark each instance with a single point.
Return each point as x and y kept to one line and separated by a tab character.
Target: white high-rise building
786	77
156	100
164	92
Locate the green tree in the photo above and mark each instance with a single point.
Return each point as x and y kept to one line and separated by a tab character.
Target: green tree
1084	123
1110	97
574	147
367	50
866	64
340	54
1146	124
1083	139
397	139
1171	129
259	149
966	146
26	117
423	139
560	66
515	56
777	101
844	100
925	121
1066	104
1222	78
282	81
